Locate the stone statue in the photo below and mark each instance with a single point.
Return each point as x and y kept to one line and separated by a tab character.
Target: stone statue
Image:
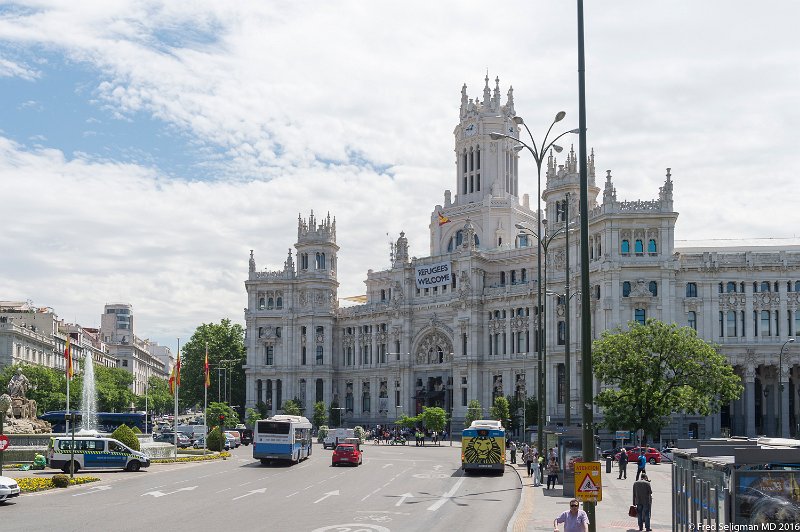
18	385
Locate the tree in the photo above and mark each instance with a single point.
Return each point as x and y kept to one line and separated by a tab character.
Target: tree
215	410
657	369
319	418
225	343
291	408
159	400
474	411
261	406
113	389
251	416
500	411
407	422
531	411
126	435
434	418
215	440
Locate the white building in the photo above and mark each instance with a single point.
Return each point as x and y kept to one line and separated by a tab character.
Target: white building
472	336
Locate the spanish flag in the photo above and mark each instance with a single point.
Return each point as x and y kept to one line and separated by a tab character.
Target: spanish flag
178	370
205	370
172	381
68	359
443	219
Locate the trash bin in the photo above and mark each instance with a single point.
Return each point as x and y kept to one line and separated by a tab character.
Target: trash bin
608	464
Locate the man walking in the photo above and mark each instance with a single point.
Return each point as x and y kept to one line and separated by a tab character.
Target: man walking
623	464
641	463
513	448
643	500
575	520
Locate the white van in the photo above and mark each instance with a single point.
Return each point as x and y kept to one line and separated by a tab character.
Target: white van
336	436
93	452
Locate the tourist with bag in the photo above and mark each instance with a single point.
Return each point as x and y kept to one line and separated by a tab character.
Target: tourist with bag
643	500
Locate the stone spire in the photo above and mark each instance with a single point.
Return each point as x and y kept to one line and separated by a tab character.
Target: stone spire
496	94
665	192
486	91
252	262
288	266
609	192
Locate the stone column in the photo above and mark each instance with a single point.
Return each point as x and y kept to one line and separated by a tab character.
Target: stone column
750	401
784	399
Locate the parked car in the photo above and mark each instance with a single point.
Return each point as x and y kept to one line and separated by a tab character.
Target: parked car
8	489
230	442
347	453
236	436
199	442
611	453
651	453
169	437
247	436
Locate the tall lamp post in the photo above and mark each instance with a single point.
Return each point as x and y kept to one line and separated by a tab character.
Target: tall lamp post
780	387
538	153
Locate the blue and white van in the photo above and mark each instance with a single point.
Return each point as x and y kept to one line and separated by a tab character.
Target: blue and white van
93	452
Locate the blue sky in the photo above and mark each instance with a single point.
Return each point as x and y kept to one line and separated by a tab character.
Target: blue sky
146	147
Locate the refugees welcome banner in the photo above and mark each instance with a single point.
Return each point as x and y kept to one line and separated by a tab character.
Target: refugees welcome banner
430	275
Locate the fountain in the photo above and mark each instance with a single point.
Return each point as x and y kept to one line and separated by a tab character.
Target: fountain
89	397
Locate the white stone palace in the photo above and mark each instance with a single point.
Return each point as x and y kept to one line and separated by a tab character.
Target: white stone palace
469	333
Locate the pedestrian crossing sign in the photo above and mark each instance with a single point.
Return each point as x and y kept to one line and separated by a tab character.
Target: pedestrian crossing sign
588	482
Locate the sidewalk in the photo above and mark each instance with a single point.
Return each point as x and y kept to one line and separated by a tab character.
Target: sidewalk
539	506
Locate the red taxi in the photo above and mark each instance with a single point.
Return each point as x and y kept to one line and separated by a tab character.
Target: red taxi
346	453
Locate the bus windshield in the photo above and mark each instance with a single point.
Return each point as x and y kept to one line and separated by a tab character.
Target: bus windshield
273	427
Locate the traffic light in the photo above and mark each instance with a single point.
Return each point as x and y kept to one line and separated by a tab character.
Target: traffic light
222	420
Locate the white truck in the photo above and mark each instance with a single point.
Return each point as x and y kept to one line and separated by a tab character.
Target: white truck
335	436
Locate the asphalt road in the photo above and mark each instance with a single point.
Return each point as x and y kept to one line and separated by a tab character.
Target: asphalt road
398	488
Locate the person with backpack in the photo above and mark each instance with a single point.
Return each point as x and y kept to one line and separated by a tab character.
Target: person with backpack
642	463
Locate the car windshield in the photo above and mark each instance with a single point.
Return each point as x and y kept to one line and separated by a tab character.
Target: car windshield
345	448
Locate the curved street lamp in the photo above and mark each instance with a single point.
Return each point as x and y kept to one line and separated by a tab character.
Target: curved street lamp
538	156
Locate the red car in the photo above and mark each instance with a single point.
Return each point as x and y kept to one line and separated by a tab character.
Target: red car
346	453
652	454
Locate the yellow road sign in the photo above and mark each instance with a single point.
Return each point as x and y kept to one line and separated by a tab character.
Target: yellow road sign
588	482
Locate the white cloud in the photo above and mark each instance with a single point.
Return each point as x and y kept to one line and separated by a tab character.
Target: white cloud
10	69
279	95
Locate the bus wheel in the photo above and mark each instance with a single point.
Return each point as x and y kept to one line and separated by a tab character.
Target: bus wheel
133	466
66	467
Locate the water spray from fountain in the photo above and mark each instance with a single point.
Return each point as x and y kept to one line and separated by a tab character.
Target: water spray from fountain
89	397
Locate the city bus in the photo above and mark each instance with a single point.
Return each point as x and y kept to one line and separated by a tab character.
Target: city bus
282	437
483	446
106	421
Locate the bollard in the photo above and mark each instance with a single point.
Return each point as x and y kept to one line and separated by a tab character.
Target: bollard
608	464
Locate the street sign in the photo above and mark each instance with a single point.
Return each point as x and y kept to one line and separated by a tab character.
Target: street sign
588	482
622	435
3	442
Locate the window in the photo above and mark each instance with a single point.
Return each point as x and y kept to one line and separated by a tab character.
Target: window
260	332
626	247
626	289
597	291
796	322
319	390
502	278
259	391
639	316
731	320
691	289
562	332
730	287
513	276
765	323
639	247
277	332
653	287
124	363
764	286
383	294
261	303
463	397
278	393
270	304
303	356
560	383
523	276
651	246
270	355
279	303
721	324
691	318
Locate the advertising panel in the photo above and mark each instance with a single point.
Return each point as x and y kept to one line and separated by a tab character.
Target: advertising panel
766	498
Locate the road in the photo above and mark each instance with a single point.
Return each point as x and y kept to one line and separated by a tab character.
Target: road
398	488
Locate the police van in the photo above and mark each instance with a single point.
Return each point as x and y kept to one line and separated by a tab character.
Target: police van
93	453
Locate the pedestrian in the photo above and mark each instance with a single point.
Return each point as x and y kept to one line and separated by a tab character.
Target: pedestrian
575	519
552	473
641	463
643	500
527	456
541	467
512	447
623	464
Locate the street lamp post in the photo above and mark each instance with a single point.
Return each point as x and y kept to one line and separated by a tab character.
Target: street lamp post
780	387
538	157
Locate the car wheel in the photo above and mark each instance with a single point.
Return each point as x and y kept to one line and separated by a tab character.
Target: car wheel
133	466
653	461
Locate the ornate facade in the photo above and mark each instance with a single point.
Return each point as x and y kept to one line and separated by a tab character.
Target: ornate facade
406	345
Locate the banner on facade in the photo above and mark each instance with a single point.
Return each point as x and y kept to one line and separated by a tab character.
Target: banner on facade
430	275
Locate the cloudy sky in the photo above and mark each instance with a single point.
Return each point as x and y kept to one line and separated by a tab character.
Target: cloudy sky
146	147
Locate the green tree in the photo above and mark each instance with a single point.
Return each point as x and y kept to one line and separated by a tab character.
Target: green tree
261	406
406	421
113	389
322	432
434	418
474	411
360	433
225	343
531	412
126	435
500	411
215	410
657	369
159	400
215	440
319	418
291	408
251	416
48	386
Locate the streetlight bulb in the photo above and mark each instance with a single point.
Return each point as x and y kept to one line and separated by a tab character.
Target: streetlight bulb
557	148
496	136
575	131
522	225
518	120
560	116
518	147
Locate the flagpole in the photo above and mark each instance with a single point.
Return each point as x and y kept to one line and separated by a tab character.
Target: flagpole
67	364
177	389
205	403
66	419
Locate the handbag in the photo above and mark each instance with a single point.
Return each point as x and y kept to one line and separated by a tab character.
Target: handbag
632	511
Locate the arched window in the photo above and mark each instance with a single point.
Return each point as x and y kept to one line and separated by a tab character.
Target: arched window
303	356
651	246
277	332
261	303
513	276
692	319
562	333
524	276
626	289
764	286
270	304
691	289
653	287
730	287
639	246
626	247
279	303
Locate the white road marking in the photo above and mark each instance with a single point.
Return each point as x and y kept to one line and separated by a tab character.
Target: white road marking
292	494
226	489
329	494
157	494
93	489
387	465
403	498
438	504
373	492
260	490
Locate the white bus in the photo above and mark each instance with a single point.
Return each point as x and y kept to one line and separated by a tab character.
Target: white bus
282	437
